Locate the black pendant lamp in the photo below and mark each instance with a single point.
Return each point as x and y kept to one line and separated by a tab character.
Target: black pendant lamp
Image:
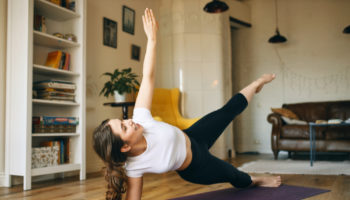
278	38
215	6
346	30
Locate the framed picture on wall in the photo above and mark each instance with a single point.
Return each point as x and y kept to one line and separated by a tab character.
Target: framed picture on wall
135	52
128	20
109	32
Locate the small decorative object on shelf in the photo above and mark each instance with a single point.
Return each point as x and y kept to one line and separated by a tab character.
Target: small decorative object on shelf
71	5
45	156
59	35
70	37
122	82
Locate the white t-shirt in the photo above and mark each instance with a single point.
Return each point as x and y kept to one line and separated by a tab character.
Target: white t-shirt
166	147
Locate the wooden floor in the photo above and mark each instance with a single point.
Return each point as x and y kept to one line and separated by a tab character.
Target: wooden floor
169	185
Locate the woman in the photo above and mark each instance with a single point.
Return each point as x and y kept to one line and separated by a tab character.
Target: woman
141	145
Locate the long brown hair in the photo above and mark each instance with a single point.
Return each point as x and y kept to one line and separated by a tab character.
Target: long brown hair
107	146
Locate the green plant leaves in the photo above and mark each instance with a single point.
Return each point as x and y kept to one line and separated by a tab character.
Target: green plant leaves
121	81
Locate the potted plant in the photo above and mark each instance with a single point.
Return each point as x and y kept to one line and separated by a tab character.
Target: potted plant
119	84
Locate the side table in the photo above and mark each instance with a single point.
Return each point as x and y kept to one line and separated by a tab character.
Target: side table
313	138
124	106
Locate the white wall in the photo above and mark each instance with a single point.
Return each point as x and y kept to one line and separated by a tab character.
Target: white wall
195	56
102	59
3	22
314	65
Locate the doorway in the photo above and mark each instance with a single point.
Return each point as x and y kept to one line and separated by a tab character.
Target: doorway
238	31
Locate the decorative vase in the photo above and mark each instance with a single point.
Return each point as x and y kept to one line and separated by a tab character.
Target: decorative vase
119	97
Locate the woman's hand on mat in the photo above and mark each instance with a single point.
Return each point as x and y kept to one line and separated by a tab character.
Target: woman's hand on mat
150	24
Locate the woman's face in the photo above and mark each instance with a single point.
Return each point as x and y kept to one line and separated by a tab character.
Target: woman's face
129	131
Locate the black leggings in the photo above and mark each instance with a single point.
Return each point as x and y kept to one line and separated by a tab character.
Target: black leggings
206	168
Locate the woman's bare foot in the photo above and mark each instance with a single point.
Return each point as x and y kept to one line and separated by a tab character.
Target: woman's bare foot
266	181
265	78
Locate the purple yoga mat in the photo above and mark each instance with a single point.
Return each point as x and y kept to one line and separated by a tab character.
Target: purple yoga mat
284	192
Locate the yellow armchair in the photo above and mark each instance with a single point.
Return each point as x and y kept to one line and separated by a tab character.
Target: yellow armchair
165	107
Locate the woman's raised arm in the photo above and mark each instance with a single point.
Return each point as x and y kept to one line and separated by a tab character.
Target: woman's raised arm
150	25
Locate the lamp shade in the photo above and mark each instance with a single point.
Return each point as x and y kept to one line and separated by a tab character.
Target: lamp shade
216	6
346	30
278	38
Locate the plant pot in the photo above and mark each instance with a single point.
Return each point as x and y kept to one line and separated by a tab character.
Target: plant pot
119	97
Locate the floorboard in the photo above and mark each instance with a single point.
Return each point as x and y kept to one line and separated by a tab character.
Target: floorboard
170	185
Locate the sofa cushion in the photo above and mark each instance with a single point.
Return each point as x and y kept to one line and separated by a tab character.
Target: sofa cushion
301	132
285	112
309	112
339	110
293	121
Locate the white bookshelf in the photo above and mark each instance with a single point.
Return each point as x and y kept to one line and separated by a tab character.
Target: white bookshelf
54	102
54	134
44	39
55	169
27	50
41	69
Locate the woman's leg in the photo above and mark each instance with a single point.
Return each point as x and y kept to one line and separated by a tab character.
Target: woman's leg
210	127
207	169
256	86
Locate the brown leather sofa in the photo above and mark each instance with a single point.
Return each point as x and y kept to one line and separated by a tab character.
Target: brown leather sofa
293	138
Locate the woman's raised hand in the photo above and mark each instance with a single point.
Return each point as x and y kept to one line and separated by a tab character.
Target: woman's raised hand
150	25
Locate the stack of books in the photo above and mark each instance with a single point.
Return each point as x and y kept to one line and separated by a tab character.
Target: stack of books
54	90
58	60
46	124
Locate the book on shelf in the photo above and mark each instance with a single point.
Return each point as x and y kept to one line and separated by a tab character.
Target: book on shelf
48	124
39	23
63	146
53	59
70	91
49	120
57	2
44	93
66	65
58	60
56	84
54	90
55	96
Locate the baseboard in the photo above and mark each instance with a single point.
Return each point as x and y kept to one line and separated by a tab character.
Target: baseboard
253	148
18	180
2	179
